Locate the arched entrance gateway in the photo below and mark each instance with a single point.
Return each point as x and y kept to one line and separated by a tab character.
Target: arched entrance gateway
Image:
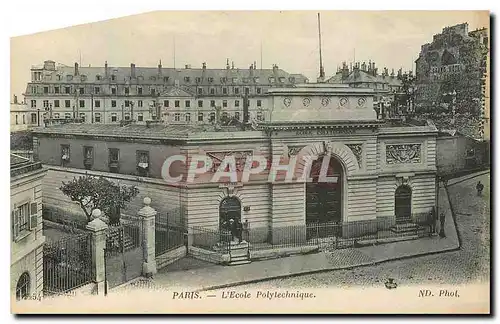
324	199
230	208
402	204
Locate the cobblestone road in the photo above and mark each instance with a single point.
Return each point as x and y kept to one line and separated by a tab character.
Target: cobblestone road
469	264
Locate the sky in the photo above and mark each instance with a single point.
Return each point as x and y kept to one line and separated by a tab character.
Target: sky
287	38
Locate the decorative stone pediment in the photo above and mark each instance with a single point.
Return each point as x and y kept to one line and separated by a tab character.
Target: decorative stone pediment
240	158
176	92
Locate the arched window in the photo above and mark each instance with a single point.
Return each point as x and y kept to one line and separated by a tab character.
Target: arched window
230	208
402	204
23	286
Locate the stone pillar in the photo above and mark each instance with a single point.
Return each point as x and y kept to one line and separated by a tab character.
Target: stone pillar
98	229
148	214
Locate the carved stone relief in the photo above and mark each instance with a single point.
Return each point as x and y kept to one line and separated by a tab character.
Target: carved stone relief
357	149
403	153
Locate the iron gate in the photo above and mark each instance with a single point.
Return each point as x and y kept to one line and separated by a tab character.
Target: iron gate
124	252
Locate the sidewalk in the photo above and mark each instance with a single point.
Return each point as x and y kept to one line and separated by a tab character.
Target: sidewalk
225	276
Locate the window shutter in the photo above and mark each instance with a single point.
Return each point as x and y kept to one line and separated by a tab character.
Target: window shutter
15	224
34	215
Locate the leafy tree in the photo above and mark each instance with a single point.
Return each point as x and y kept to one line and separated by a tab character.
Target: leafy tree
98	192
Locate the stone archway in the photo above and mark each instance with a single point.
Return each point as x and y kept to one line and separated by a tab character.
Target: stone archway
229	208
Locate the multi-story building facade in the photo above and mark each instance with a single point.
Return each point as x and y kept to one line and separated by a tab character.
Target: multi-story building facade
26	218
22	117
385	86
451	73
179	96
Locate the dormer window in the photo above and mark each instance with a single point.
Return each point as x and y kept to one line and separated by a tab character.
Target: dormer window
152	78
140	78
291	79
210	79
98	77
187	79
69	77
113	77
256	80
223	80
83	77
59	77
165	79
245	80
235	80
198	80
143	163
282	80
271	80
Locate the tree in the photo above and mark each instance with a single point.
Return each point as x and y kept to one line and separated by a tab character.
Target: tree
99	193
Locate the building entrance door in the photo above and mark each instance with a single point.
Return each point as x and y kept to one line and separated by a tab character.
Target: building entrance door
230	208
324	199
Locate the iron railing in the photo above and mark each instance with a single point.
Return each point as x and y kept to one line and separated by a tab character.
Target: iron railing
209	239
67	264
168	236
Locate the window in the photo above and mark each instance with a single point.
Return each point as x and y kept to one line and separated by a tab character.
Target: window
113	103
237	115
142	163
212	91
140	117
67	115
113	117
223	80
67	103
282	80
224	103
187	103
139	90
82	103
113	77
33	103
259	116
200	103
200	91
82	91
21	218
33	89
165	103
97	104
224	90
127	116
114	158
83	116
56	116
470	153
56	103
259	90
198	79
139	103
45	89
97	117
45	104
291	79
97	90
98	77
247	90
23	286
88	157
17	122
188	117
187	79
271	80
259	103
127	103
65	154
200	116
236	103
69	77
236	90
56	89
165	79
212	117
256	80
210	79
177	103
152	91
224	115
67	90
33	118
212	103
177	117
113	91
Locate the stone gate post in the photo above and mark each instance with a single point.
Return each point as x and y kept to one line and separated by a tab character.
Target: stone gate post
148	215
98	230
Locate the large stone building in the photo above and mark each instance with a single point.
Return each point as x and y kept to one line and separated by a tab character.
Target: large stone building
27	239
451	75
22	117
177	96
386	86
381	175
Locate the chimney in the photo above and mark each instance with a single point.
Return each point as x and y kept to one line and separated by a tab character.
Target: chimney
132	70
106	73
254	65
159	68
392	73
363	66
232	65
15	99
204	66
227	64
251	70
76	69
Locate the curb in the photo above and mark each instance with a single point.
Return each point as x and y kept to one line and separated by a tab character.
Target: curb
480	173
325	270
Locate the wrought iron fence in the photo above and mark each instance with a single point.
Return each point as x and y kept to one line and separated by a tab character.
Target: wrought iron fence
336	235
67	264
168	236
213	240
123	237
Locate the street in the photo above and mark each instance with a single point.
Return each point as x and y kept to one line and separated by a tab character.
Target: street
470	264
